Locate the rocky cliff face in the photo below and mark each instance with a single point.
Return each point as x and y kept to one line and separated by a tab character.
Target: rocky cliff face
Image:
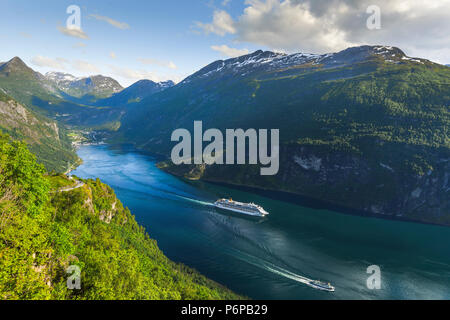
42	134
16	117
374	188
430	199
346	181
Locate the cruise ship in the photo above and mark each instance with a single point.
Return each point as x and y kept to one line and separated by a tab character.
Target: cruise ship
245	208
319	285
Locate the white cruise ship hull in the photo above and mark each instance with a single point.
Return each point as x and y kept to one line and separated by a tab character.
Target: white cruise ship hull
254	214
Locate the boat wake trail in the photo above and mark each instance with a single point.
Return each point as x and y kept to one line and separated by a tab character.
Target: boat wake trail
270	267
171	192
203	203
253	260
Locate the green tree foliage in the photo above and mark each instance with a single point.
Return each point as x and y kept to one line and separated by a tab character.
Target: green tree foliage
44	231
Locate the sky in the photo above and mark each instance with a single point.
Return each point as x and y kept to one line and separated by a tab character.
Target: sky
161	40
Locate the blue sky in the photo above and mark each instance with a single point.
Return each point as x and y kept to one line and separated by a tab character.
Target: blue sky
161	40
162	35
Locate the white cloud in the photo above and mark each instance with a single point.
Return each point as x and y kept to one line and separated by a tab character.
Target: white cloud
129	76
134	75
85	67
421	28
222	24
290	25
150	61
80	45
46	62
79	66
230	52
76	33
26	35
114	23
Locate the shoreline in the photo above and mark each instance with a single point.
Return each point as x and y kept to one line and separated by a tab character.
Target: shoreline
277	195
77	146
308	202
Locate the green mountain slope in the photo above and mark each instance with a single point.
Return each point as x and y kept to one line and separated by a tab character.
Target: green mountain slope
83	90
23	84
41	95
135	93
43	136
365	128
46	228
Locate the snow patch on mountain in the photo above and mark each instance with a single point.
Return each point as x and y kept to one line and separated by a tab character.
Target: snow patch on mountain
266	61
75	86
60	77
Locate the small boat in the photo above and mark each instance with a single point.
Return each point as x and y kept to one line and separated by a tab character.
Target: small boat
321	285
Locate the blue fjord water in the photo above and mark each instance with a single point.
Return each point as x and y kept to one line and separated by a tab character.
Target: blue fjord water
266	258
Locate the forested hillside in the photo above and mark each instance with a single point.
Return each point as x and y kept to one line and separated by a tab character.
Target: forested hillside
43	96
45	227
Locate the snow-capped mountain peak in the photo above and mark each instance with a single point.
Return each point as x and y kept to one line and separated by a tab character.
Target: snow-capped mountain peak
258	60
267	61
77	87
60	77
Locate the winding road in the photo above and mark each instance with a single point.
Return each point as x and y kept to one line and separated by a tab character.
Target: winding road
67	189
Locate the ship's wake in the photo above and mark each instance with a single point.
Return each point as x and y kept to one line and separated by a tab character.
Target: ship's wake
257	261
203	203
247	258
167	193
270	267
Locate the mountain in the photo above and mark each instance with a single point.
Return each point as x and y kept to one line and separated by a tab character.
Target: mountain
34	110
38	108
43	95
44	136
61	79
135	93
22	83
95	102
15	67
25	85
84	90
52	225
364	129
267	62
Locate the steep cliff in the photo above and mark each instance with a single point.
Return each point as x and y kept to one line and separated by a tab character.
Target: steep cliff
351	182
44	136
